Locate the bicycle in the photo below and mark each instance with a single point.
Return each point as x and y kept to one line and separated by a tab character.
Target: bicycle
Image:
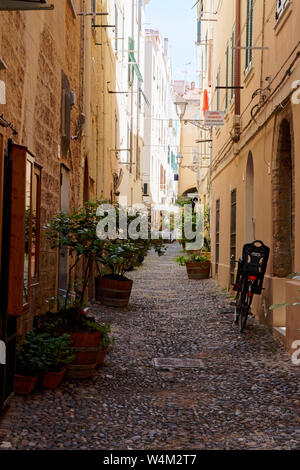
249	279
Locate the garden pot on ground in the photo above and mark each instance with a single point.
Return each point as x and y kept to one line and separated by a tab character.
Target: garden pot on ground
24	384
85	348
101	356
113	292
53	379
198	270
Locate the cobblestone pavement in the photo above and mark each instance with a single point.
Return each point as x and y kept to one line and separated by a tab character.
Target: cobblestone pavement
246	395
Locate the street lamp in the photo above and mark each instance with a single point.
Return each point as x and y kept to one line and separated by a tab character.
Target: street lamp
180	111
180	108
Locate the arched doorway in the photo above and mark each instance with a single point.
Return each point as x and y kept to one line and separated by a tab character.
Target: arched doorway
283	203
249	212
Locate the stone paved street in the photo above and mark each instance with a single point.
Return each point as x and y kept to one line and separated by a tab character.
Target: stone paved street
245	395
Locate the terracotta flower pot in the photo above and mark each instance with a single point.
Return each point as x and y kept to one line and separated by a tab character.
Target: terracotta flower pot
53	379
198	270
113	292
24	384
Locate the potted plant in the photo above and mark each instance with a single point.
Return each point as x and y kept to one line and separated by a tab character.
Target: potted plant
77	232
57	356
197	265
113	288
30	363
118	256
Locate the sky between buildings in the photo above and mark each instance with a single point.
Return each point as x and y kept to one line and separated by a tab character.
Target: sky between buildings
176	20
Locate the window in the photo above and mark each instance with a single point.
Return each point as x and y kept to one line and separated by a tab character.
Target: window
249	33
232	63
116	131
35	238
145	189
206	51
280	7
227	76
93	10
65	114
116	27
218	90
232	235
217	235
128	143
140	15
32	225
198	32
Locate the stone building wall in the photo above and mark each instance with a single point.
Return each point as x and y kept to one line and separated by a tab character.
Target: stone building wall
38	47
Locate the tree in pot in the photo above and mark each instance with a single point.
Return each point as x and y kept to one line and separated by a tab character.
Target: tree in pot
197	266
77	232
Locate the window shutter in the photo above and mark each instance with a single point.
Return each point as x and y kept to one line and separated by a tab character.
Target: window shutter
65	114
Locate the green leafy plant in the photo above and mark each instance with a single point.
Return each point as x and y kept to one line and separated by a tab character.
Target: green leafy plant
55	323
77	232
193	258
106	340
31	355
58	352
40	353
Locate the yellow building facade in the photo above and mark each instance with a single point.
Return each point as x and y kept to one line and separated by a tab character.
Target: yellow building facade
255	165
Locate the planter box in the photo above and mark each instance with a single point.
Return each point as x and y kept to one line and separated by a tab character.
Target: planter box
112	292
198	270
85	348
53	379
24	384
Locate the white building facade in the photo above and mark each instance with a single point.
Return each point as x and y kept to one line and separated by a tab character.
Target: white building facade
162	128
127	51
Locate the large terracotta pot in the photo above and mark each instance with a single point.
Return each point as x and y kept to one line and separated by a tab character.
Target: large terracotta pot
53	379
198	270
85	348
24	384
112	292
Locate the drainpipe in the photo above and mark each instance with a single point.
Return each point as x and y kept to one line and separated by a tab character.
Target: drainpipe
237	81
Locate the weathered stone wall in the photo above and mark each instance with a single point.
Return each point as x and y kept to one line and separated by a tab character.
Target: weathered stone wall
37	47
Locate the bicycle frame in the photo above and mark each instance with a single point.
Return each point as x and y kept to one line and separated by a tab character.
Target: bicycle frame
249	279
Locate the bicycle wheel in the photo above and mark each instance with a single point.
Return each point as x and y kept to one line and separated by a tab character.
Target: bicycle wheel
237	308
243	317
244	308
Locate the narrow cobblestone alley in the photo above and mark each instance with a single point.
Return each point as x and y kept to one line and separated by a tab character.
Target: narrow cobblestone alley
245	395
